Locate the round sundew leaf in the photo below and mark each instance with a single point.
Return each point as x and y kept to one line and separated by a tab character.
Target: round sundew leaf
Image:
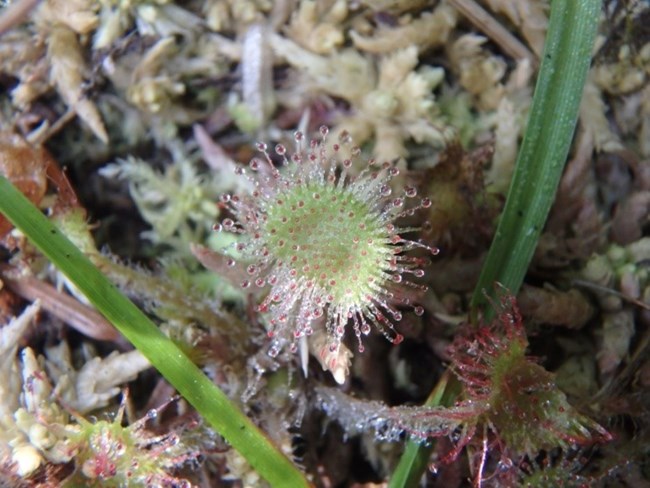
330	237
324	242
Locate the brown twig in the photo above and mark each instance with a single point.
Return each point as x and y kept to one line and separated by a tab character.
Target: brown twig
79	316
478	16
15	13
42	136
604	289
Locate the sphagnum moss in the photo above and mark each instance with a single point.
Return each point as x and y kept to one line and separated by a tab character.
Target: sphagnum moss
325	242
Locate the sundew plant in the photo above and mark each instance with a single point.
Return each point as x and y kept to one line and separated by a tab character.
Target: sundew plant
279	312
325	243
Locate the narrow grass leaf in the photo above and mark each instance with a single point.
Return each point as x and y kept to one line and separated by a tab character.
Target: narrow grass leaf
164	355
551	124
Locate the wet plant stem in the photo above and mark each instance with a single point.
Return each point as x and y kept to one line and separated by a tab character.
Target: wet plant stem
416	456
551	124
162	353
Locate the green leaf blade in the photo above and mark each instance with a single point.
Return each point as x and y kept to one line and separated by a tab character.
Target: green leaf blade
162	353
546	143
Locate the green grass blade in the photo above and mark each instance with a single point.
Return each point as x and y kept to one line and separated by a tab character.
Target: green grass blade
164	355
551	124
554	112
415	458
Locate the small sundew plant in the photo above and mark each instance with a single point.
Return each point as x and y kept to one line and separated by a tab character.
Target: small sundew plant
109	454
326	242
510	410
522	404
